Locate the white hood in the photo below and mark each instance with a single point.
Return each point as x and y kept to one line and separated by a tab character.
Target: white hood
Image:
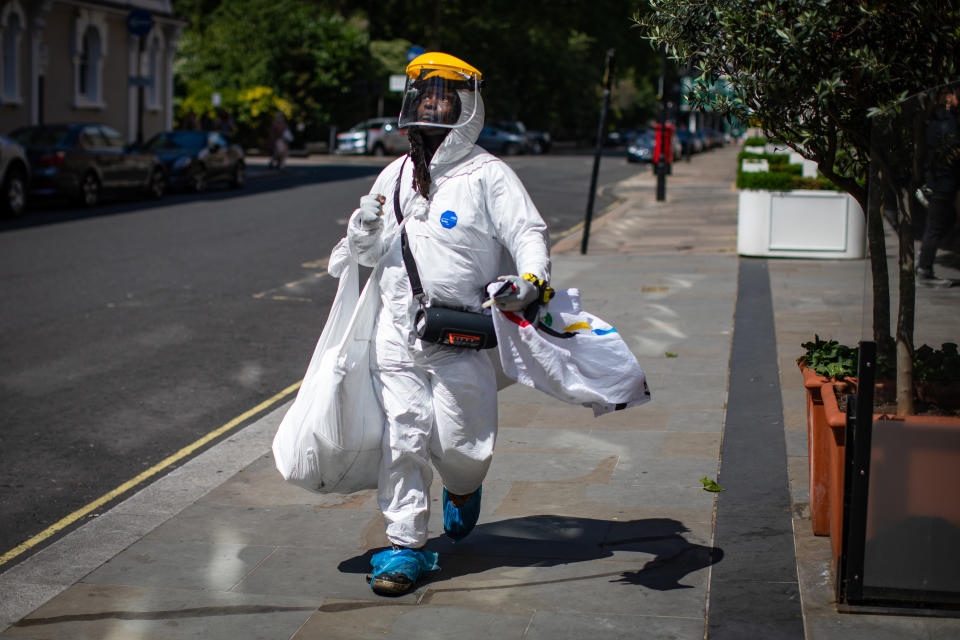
462	139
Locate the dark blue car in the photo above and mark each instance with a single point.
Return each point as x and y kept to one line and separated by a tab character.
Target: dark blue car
195	159
84	161
501	142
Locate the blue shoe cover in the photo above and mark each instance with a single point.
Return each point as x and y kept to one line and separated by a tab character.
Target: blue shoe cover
458	522
396	571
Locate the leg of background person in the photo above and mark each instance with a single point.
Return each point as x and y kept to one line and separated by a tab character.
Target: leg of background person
940	218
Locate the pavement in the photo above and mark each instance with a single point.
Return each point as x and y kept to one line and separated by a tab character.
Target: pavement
591	527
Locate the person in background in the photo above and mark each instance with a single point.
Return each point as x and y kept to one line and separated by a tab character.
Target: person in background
278	142
225	124
942	178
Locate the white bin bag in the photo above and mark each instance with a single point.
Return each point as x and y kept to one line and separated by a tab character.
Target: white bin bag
329	439
571	355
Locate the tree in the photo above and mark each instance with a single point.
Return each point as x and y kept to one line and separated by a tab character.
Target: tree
307	54
542	59
815	74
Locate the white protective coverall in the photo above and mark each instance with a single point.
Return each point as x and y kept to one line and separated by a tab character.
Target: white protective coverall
440	401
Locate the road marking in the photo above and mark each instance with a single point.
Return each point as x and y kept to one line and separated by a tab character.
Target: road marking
269	294
272	294
129	484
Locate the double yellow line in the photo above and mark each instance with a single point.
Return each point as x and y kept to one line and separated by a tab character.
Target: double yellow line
152	471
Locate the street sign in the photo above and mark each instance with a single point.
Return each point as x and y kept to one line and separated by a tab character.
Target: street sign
139	22
398	82
414	51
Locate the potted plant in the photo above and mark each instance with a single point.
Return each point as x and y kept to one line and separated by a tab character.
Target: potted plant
823	361
833	366
782	213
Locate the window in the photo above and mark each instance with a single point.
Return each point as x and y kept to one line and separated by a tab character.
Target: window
89	52
114	139
90	138
11	35
154	59
89	65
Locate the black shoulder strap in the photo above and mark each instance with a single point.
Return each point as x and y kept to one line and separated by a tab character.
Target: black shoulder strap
415	285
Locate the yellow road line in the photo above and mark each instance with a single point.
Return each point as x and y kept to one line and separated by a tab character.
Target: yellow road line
129	484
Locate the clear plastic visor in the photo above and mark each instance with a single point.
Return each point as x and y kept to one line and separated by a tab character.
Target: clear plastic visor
439	98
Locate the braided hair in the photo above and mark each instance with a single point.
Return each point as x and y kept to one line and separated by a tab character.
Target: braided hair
424	142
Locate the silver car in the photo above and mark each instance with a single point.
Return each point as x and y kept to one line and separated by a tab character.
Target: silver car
376	137
15	172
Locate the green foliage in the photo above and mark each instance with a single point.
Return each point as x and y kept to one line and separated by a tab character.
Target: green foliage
331	60
710	485
812	73
937	366
834	360
776	161
782	176
829	358
307	55
542	60
765	181
755	141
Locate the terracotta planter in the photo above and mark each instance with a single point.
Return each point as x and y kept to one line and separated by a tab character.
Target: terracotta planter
836	424
818	453
908	474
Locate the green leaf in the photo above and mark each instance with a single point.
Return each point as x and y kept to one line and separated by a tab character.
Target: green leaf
670	355
710	485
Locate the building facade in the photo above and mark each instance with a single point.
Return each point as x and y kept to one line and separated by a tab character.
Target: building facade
79	61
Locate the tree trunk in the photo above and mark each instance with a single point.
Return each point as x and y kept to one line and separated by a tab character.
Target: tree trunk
878	264
906	307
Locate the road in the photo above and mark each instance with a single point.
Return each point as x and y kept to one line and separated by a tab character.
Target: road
133	330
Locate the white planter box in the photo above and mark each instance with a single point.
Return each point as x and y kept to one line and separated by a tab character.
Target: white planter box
808	167
800	224
754	166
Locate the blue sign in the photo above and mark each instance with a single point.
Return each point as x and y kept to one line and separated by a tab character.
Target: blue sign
139	22
414	51
448	219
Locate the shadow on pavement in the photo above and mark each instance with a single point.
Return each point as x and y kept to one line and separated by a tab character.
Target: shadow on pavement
547	541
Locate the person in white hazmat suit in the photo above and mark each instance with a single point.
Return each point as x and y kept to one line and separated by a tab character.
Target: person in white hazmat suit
464	211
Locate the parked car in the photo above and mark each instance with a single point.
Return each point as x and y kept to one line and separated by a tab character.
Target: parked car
641	148
535	141
500	141
194	159
84	161
14	175
375	137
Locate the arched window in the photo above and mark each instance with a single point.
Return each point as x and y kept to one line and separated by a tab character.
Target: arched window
154	69
11	34
89	52
89	65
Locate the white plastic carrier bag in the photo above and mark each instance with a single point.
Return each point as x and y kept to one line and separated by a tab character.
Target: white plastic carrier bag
570	354
329	439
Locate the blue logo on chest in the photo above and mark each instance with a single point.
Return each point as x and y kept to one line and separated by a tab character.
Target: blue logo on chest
448	219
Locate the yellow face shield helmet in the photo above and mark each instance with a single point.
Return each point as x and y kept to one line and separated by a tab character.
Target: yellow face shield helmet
440	91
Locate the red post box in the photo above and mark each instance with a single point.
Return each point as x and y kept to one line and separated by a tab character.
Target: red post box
663	143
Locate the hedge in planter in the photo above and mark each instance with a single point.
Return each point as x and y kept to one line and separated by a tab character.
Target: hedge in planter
787	180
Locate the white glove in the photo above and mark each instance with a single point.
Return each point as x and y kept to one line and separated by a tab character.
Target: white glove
371	212
517	296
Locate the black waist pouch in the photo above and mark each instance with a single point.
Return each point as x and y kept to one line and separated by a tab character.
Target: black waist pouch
455	328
